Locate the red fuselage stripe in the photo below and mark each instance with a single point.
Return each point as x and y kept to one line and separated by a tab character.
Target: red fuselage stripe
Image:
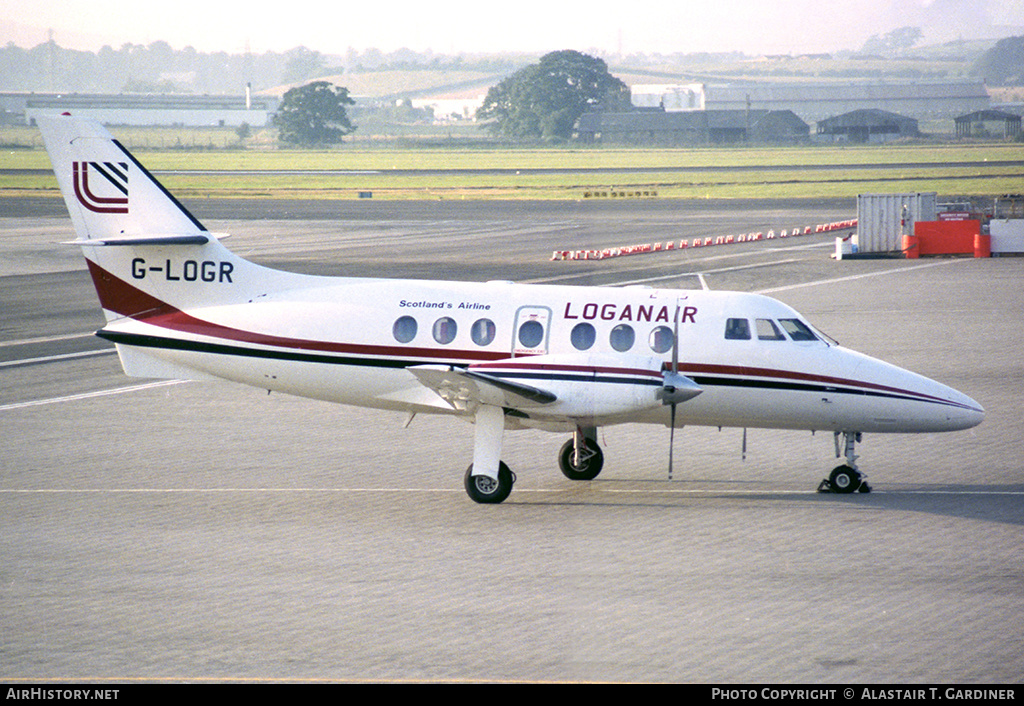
127	300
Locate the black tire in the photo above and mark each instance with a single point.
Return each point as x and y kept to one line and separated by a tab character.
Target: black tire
844	479
588	469
487	491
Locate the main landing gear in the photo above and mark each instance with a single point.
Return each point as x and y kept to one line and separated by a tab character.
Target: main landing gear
581	458
487	490
494	481
846	478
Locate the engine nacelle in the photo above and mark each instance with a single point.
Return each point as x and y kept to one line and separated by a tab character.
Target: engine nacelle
593	385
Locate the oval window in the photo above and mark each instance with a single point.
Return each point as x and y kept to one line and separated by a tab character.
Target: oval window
404	329
531	333
445	329
622	337
582	336
482	332
661	339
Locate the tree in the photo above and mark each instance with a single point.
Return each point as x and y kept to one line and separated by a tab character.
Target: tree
902	39
314	114
546	99
301	64
1003	64
895	43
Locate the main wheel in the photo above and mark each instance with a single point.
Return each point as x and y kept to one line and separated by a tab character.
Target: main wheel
486	490
589	464
844	479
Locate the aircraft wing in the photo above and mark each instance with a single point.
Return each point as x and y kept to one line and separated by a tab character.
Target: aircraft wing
466	389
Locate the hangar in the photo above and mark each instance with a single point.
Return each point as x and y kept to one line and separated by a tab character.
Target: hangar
869	125
662	127
978	124
817	101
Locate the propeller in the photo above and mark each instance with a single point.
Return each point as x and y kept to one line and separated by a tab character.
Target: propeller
674	403
671	439
675	388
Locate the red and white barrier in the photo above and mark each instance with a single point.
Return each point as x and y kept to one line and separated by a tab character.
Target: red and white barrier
708	241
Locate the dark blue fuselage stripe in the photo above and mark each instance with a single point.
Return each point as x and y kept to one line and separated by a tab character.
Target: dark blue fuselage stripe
580	377
177	344
143	341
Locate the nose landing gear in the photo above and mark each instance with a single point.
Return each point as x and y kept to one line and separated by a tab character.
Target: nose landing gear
846	478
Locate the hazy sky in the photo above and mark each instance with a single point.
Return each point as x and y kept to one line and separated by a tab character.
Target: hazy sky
449	26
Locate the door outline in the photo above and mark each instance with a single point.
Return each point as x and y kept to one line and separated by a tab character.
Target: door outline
524	314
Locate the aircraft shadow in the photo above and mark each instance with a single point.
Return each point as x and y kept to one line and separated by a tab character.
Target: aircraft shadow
991	503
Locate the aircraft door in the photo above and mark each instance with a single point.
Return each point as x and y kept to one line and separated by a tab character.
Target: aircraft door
530	335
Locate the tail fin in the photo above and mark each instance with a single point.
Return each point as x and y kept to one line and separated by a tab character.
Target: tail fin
148	256
108	193
158	272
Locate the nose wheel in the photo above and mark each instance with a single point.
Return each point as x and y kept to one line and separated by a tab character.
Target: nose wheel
846	478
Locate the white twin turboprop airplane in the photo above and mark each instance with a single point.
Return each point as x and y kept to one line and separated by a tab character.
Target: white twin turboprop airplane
180	305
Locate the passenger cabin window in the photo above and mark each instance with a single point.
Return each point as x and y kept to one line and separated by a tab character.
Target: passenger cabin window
662	339
622	337
404	329
737	330
582	336
531	333
768	331
445	329
482	332
798	330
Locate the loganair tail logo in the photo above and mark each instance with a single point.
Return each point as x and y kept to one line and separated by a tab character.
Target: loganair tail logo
102	187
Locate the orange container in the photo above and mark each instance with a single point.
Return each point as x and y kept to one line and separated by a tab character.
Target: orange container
982	245
910	247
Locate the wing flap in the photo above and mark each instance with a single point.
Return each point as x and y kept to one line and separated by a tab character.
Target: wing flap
464	390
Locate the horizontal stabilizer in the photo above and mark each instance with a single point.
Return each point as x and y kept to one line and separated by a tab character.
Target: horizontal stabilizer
168	239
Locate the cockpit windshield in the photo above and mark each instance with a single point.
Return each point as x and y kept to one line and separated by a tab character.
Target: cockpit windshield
798	330
740	329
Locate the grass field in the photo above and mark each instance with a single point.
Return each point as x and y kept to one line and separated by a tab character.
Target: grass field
501	173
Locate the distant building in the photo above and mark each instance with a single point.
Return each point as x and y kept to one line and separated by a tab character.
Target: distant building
815	102
144	109
661	127
989	123
866	126
453	106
